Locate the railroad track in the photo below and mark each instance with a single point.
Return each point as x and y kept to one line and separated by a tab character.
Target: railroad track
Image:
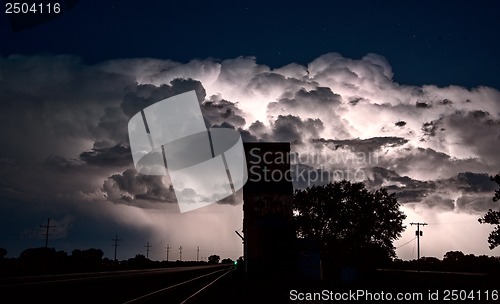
184	292
171	285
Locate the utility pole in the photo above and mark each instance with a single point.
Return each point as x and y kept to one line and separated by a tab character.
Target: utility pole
168	250
116	240
46	234
197	253
147	250
245	249
419	234
180	253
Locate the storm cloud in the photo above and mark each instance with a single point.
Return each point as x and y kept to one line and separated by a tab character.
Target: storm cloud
66	125
81	112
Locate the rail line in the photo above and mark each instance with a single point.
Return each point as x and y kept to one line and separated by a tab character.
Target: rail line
61	278
158	292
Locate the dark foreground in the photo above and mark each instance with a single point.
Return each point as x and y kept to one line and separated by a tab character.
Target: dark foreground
377	286
224	284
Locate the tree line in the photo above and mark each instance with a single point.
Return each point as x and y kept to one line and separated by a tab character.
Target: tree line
455	261
34	261
356	228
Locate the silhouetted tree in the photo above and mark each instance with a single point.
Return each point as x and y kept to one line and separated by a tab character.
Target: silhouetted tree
240	264
429	260
3	253
493	217
454	261
139	261
89	259
351	223
227	261
213	259
47	259
453	256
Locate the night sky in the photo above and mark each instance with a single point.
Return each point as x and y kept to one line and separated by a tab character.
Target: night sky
415	82
426	42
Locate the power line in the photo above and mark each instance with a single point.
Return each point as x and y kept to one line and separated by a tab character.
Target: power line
203	248
406	243
116	240
454	222
419	234
147	250
46	234
168	250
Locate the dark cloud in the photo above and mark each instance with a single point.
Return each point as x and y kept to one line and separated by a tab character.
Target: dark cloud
362	145
474	182
408	190
437	201
148	191
319	97
59	163
355	100
265	82
423	105
100	156
246	136
130	187
55	102
257	131
61	79
257	127
477	130
476	203
431	128
112	127
288	128
432	164
306	103
116	156
141	96
476	189
60	106
59	230
295	130
218	111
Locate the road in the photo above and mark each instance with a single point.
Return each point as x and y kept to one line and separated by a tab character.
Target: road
169	285
220	284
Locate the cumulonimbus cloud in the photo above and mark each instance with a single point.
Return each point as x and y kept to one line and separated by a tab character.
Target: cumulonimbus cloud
418	138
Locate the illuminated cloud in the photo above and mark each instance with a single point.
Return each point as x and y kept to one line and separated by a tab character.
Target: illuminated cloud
67	137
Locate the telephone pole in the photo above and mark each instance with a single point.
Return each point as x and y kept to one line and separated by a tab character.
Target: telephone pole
197	253
116	240
168	250
147	250
245	249
419	234
180	253
46	234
